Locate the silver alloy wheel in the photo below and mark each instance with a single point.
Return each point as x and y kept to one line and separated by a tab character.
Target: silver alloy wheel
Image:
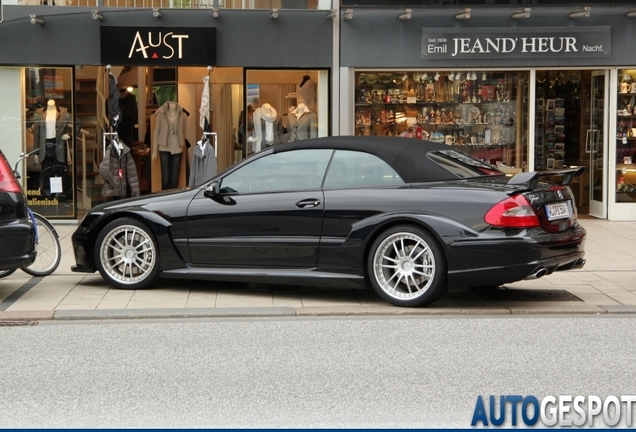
404	266
128	254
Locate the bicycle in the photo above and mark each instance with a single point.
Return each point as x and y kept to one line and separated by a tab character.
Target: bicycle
47	241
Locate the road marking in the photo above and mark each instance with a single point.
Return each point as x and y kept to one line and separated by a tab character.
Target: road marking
15	295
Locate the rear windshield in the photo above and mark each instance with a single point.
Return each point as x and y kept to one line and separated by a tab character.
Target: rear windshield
462	164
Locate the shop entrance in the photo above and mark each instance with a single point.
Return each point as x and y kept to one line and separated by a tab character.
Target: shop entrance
597	143
570	130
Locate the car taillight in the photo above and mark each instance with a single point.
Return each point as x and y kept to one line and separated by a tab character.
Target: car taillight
8	183
513	212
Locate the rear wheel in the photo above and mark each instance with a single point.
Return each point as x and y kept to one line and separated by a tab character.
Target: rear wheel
407	267
48	248
126	254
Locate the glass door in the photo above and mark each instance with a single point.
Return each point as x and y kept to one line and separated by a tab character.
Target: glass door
596	145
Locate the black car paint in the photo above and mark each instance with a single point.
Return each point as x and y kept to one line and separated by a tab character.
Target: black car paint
183	222
17	235
349	231
16	232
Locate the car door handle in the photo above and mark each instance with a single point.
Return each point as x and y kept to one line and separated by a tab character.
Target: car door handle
312	202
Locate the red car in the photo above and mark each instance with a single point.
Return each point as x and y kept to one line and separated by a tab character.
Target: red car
17	236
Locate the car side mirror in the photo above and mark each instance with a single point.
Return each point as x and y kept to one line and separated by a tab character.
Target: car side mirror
213	189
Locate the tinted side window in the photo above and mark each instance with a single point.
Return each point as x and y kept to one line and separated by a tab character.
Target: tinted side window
359	169
285	171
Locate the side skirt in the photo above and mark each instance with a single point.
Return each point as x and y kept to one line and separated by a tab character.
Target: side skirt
282	276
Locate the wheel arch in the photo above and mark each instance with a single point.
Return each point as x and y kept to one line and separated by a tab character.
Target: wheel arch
160	228
443	230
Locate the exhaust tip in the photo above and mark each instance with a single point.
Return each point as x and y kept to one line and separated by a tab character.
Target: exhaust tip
580	263
538	274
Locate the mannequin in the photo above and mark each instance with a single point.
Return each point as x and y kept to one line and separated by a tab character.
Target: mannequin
51	136
306	92
169	142
50	133
268	128
302	123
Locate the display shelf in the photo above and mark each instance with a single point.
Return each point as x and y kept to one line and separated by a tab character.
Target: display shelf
473	111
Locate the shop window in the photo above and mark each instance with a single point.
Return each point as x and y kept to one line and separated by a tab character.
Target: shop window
52	128
481	113
626	137
282	106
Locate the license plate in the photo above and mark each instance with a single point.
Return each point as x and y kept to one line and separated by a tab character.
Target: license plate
557	211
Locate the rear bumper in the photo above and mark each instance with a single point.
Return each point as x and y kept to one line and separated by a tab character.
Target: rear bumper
17	245
511	259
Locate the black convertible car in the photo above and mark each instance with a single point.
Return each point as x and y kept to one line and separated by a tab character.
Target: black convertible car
408	217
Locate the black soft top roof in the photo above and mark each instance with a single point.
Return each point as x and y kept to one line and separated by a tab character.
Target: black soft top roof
407	156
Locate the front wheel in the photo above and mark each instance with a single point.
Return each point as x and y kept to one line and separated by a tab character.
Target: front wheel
126	254
47	246
407	267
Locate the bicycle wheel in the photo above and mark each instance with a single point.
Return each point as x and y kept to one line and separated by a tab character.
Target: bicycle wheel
49	251
5	273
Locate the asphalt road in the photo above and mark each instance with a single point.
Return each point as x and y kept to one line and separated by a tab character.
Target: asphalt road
340	372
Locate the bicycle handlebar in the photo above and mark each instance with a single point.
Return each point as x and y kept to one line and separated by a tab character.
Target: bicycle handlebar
21	158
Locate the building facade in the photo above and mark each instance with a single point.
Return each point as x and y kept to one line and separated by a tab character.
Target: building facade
523	86
222	67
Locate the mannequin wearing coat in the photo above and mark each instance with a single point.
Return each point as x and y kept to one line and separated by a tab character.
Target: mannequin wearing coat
50	133
169	142
268	128
302	123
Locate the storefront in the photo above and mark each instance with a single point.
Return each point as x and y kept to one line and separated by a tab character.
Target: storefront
242	79
525	89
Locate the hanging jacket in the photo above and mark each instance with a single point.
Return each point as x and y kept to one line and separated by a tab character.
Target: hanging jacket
203	166
113	101
116	184
204	111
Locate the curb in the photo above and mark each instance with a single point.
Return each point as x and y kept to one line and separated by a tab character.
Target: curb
290	312
253	312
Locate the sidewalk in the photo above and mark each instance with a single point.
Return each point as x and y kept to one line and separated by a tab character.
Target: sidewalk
604	285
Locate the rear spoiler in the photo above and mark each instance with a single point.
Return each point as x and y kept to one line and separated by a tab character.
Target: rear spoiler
530	179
